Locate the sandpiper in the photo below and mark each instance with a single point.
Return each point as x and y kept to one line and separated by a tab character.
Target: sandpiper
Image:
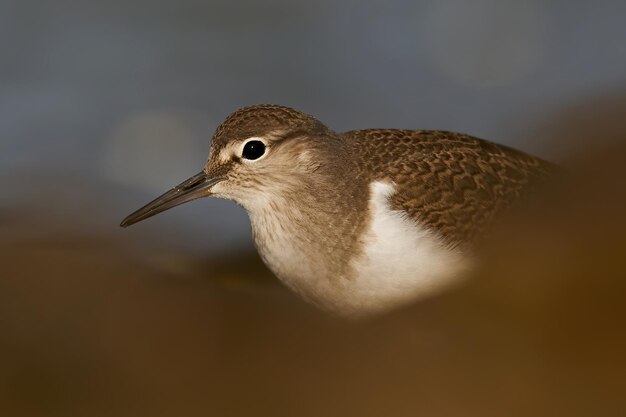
362	221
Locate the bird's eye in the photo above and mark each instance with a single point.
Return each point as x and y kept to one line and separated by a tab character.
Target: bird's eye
253	150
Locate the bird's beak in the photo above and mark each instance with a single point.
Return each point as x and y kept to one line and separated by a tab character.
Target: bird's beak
195	187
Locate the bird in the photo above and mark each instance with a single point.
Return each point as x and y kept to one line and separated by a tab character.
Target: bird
361	222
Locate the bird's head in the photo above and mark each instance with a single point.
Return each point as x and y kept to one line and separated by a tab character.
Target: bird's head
257	153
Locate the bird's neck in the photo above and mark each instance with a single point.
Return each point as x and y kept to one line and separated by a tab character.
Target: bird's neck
306	239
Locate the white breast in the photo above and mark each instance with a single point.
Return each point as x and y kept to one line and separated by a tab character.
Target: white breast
402	260
286	250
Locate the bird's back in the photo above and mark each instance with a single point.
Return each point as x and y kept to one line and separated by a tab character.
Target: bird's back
453	183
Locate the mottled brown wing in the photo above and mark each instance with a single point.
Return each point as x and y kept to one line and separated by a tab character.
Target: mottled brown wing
453	183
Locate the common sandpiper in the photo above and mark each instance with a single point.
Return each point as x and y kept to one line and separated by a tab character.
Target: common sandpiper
363	221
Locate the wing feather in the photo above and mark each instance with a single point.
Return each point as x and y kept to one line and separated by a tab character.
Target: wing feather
453	183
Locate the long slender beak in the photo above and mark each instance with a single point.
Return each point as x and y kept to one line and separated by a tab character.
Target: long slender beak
195	187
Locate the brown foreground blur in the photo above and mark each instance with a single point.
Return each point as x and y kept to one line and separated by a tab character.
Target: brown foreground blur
89	329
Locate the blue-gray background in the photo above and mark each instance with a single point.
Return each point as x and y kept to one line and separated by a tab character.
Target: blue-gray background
105	104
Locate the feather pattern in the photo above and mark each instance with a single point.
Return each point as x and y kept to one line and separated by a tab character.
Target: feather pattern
453	183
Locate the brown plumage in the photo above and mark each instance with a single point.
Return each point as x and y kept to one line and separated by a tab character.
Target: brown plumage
361	221
454	183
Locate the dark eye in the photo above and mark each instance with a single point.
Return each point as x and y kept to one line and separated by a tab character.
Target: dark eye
253	149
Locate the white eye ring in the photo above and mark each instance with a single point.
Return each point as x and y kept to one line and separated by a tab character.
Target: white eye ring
242	147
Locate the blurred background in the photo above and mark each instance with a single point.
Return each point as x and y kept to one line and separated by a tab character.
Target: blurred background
106	104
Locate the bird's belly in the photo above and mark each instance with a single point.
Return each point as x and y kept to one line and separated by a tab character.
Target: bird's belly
400	261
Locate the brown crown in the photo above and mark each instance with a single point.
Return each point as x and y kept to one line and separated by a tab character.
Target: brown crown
259	119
